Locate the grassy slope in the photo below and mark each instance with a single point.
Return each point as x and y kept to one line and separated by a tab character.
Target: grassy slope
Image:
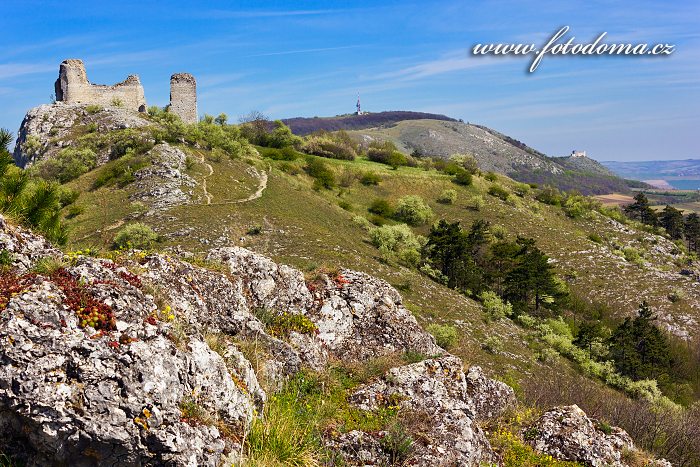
308	229
498	153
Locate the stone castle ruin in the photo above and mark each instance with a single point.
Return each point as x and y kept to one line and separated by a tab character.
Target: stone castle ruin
183	97
73	87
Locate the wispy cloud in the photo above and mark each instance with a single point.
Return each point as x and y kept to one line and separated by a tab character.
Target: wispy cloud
452	62
227	14
303	51
12	70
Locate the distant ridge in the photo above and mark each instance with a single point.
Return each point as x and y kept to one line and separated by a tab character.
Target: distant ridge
306	125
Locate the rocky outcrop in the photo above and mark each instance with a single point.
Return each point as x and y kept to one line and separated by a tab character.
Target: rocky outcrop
147	362
72	394
23	248
566	433
49	128
358	316
163	184
437	391
488	398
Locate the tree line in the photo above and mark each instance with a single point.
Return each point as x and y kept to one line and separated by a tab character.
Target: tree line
677	226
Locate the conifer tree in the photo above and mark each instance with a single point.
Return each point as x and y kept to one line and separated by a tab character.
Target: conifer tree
672	220
638	348
641	211
692	231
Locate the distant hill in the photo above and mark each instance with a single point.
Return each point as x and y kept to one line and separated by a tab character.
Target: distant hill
304	126
495	152
648	170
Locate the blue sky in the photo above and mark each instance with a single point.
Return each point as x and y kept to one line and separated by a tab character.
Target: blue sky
312	58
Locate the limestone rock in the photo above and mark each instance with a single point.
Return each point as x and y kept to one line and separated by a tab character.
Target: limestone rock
49	128
437	391
161	183
358	448
360	317
566	433
489	398
268	284
24	248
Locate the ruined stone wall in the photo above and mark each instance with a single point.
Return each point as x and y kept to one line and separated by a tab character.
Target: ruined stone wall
73	87
183	97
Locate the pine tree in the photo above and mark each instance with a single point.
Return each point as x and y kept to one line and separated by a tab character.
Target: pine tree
531	283
641	211
672	220
692	231
638	348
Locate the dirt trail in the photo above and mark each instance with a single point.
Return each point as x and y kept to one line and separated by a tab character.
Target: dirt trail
203	160
262	185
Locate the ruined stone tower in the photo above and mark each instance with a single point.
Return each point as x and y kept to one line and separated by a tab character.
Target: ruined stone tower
73	87
183	97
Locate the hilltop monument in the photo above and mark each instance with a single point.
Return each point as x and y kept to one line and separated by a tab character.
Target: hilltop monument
73	87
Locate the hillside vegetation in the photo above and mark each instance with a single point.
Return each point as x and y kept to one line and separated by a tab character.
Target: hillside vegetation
495	152
376	209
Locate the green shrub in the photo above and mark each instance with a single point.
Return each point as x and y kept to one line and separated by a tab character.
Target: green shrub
526	320
362	222
381	207
93	109
120	172
547	355
467	161
255	230
135	236
70	163
370	178
491	177
398	445
499	192
577	206
676	295
413	210
281	136
345	205
494	307
5	258
67	196
493	344
633	255
521	189
447	197
323	176
286	153
326	146
477	203
498	231
387	153
463	178
445	335
595	238
130	141
549	195
397	239
74	211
